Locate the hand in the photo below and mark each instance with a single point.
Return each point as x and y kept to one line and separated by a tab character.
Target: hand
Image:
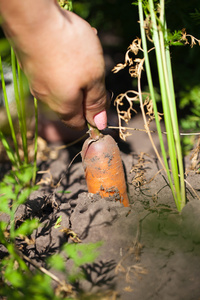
63	60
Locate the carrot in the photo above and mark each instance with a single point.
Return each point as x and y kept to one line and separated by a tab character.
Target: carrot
103	167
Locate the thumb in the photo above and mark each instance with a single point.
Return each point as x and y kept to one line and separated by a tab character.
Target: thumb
95	110
100	120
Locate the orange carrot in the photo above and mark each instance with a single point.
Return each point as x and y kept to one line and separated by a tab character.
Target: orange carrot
103	167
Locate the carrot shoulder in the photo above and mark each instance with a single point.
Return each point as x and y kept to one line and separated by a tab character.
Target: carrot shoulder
103	168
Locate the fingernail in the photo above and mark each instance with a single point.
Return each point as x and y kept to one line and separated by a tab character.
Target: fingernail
100	120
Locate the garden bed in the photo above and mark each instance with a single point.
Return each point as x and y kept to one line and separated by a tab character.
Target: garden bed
149	250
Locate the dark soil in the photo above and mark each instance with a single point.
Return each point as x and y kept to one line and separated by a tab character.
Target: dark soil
150	251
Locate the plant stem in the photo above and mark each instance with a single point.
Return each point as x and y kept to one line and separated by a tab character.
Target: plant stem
16	160
169	105
94	132
165	101
23	114
151	89
35	142
159	31
174	118
19	104
9	150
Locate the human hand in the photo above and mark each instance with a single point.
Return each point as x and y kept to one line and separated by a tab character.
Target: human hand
63	60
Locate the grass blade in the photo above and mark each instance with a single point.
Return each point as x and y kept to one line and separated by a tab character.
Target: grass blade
9	115
9	150
18	105
23	113
36	138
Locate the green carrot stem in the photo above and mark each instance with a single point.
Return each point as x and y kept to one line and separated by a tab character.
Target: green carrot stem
151	89
94	132
168	101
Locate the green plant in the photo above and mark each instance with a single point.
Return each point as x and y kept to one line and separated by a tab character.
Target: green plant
20	92
14	272
16	280
153	28
190	123
80	254
158	30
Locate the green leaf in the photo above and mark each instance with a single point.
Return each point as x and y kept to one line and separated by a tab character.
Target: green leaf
58	221
39	285
27	227
3	226
15	278
9	179
176	44
196	16
4	46
25	193
9	151
64	192
75	275
82	253
25	173
12	272
57	262
196	112
4	207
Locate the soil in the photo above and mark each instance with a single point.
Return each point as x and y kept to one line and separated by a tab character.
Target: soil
149	251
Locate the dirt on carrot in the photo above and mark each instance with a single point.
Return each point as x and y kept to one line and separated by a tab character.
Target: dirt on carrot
103	168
